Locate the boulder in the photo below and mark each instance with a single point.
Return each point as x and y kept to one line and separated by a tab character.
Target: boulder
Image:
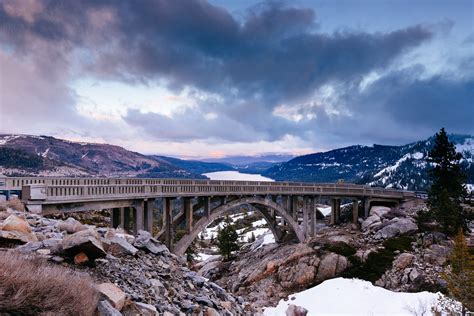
414	274
120	247
17	237
86	241
71	226
144	240
146	309
17	229
330	265
30	247
113	294
380	211
53	244
395	227
294	310
370	222
15	223
403	261
105	309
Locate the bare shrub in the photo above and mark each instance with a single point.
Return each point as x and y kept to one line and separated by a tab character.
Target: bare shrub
29	285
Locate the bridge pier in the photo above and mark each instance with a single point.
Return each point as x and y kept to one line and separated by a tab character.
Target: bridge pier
355	211
148	210
294	207
366	207
168	222
312	217
335	211
138	212
306	205
115	217
126	218
188	211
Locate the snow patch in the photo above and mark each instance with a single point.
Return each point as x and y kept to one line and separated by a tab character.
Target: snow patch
356	297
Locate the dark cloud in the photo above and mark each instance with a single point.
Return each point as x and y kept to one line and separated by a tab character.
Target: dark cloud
274	55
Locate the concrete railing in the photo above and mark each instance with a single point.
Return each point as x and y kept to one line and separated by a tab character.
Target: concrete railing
45	191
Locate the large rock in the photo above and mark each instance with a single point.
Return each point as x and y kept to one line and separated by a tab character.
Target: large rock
380	211
144	240
105	309
86	241
437	254
294	310
120	247
395	227
330	265
113	294
17	229
370	222
146	309
15	223
71	226
403	261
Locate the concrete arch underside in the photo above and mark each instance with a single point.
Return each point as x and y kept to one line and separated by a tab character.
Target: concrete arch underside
262	205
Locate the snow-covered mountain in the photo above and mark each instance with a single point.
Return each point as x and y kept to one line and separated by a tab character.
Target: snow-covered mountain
386	166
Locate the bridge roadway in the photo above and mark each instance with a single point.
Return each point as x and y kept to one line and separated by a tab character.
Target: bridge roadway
288	207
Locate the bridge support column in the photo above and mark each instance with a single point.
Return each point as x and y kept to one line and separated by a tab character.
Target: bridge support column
188	211
149	215
294	207
139	216
207	206
366	207
126	218
313	216
115	217
306	205
168	222
355	211
335	211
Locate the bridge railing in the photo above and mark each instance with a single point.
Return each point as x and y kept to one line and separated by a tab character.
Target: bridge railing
84	192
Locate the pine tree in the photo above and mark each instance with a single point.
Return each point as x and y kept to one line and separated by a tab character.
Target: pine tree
447	189
460	276
227	239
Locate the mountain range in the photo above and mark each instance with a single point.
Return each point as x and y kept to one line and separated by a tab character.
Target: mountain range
378	165
403	167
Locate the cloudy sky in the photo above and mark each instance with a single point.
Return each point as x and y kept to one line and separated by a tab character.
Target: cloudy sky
195	78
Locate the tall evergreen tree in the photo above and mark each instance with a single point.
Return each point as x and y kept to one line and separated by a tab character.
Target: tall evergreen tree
227	239
447	189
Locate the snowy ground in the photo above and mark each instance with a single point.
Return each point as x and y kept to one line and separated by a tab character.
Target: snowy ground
356	297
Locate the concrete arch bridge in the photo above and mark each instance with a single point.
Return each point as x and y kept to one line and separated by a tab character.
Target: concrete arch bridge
288	207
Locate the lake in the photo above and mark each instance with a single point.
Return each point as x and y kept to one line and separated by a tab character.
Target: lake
235	175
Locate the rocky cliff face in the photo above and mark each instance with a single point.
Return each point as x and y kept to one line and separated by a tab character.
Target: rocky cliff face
134	275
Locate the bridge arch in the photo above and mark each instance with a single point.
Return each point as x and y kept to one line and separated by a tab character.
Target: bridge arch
262	205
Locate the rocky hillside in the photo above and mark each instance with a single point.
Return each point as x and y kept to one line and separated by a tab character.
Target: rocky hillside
52	156
133	275
387	166
387	250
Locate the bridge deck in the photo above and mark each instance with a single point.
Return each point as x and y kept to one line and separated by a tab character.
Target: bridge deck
47	190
